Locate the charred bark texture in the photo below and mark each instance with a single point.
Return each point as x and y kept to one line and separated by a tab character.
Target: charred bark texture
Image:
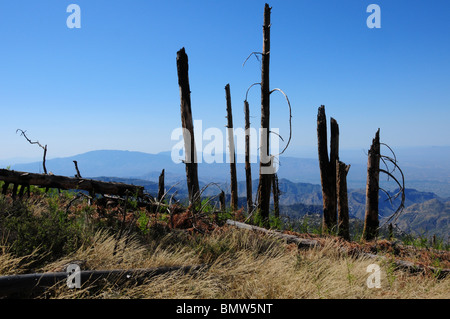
161	186
371	222
328	168
248	170
265	162
342	199
188	127
234	190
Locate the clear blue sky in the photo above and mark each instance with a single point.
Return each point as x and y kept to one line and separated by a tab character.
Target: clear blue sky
112	84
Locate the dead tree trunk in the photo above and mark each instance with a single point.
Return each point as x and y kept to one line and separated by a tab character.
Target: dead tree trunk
222	202
328	168
371	222
161	186
265	175
188	127
62	182
248	170
342	199
234	191
276	195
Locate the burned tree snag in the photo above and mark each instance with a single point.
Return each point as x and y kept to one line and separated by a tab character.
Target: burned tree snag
188	127
222	202
328	168
342	199
265	175
276	195
371	222
78	175
161	186
234	193
248	170
22	132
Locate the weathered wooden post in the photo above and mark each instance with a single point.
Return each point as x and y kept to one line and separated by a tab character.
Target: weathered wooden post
188	127
231	148
248	170
265	176
371	222
328	168
161	186
342	199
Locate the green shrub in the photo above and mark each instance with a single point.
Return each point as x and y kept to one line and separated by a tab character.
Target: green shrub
48	229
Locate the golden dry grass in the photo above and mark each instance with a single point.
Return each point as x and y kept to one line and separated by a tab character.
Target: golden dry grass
243	265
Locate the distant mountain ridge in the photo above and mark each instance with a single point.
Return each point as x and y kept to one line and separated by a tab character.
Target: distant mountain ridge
299	183
435	177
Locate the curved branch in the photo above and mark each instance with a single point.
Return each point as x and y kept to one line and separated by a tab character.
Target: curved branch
256	56
246	93
290	119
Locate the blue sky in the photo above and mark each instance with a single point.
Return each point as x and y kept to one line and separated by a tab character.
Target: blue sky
112	84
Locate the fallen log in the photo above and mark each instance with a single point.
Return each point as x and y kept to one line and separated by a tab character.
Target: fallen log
69	183
301	242
310	243
29	283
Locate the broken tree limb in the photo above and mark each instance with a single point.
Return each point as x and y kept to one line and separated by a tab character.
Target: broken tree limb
300	242
69	183
22	132
311	243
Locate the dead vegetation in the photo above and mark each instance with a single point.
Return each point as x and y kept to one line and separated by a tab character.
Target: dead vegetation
241	263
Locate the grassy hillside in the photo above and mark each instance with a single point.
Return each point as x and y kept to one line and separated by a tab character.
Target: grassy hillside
47	231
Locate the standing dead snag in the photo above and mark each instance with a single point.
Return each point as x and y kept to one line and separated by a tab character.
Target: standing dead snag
342	199
188	127
276	195
371	222
265	176
248	170
78	175
160	186
38	144
328	168
234	191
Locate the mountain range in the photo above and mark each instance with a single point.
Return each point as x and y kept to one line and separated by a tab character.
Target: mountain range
426	212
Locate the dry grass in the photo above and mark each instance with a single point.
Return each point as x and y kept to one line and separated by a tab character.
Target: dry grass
244	265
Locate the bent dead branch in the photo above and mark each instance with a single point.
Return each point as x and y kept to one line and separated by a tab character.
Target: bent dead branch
22	132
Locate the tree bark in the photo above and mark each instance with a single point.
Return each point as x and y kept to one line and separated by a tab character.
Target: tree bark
328	168
68	183
188	127
234	190
248	170
342	199
222	201
276	195
265	176
27	283
161	186
371	222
